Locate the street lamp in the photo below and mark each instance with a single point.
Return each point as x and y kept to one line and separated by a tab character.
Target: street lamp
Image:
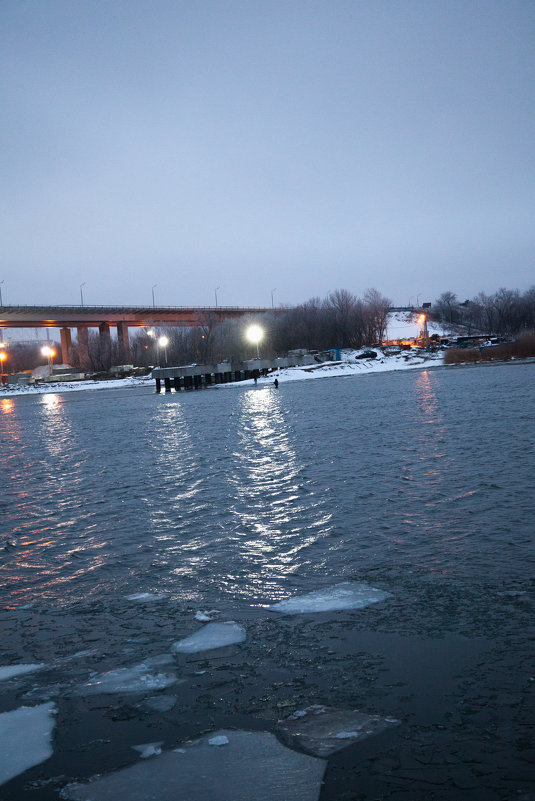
1	304
82	294
254	334
3	357
153	288
272	291
217	287
163	343
49	353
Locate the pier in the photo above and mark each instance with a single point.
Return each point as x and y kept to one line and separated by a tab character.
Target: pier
198	376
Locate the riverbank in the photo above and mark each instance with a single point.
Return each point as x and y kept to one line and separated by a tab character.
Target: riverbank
351	363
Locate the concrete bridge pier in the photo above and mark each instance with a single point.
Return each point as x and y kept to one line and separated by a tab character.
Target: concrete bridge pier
66	345
122	339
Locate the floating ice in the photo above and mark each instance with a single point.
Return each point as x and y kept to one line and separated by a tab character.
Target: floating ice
149	749
8	671
145	596
347	595
25	738
323	730
135	679
219	740
213	635
207	615
160	703
253	765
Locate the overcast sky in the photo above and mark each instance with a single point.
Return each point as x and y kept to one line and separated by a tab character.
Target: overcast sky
252	145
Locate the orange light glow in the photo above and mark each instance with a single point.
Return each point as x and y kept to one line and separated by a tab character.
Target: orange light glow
421	319
3	356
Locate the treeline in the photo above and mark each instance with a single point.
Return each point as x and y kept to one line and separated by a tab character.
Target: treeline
339	320
507	312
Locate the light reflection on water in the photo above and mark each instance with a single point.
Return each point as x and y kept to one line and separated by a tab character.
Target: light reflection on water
277	519
255	494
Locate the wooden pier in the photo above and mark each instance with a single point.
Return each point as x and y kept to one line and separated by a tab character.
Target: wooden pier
198	376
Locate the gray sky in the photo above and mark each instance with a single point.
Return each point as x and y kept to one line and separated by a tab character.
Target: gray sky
300	145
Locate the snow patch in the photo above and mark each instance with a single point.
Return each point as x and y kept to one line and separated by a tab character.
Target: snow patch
219	740
25	738
347	595
211	636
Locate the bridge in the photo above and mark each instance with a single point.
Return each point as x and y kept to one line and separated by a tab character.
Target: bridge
65	318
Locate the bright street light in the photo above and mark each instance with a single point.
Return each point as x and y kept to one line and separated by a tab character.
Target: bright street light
3	357
49	353
163	343
254	334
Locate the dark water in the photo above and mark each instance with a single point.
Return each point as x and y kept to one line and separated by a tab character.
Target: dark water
419	483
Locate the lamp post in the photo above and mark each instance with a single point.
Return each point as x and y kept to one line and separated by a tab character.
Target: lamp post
49	353
272	292
153	288
82	294
163	343
217	287
254	334
3	357
1	303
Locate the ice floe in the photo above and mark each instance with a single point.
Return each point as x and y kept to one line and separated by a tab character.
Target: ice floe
207	615
149	749
347	595
252	765
322	730
25	738
213	635
145	596
220	739
9	671
135	679
159	703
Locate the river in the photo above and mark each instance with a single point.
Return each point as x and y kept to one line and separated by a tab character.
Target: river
417	483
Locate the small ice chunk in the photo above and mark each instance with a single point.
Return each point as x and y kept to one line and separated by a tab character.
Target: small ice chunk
9	671
325	730
160	703
219	740
25	738
146	596
253	765
135	679
148	749
347	595
213	635
207	615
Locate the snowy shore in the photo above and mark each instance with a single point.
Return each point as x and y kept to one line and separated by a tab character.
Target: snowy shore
349	364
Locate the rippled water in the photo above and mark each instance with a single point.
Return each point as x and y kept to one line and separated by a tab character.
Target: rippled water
420	483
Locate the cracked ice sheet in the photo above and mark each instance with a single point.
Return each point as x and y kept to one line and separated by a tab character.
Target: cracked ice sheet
347	595
213	635
253	765
323	730
25	738
135	679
